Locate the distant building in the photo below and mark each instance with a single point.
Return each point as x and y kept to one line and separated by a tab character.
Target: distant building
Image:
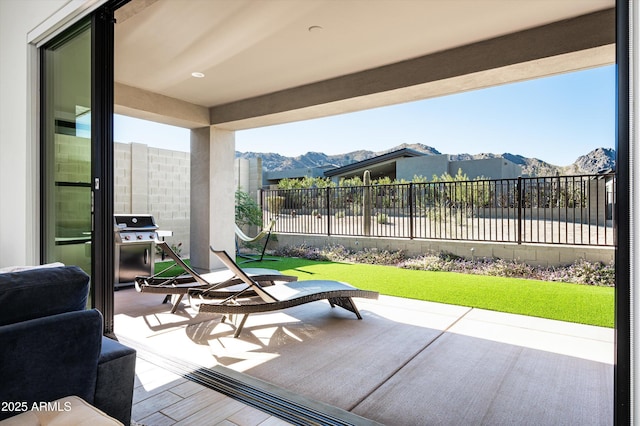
384	165
407	163
272	178
429	165
400	164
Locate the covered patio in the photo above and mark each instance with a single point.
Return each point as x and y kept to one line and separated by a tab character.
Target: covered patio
275	62
406	363
217	67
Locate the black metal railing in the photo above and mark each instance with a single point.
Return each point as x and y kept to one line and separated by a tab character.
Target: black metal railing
547	210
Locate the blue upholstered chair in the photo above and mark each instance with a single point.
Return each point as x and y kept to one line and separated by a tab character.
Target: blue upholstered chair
51	345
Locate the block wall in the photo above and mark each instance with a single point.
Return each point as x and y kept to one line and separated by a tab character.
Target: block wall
154	181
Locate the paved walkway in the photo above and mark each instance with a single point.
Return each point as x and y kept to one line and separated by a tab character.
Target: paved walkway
406	363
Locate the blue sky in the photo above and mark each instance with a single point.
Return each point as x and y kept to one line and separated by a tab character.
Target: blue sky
555	119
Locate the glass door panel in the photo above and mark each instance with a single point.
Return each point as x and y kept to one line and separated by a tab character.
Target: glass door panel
66	149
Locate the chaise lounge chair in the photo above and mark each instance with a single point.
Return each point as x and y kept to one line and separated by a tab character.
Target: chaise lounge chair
281	296
217	285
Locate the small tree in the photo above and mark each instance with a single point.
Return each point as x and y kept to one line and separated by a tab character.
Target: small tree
248	212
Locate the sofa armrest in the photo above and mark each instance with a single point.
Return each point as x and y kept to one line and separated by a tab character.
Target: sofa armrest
48	358
116	376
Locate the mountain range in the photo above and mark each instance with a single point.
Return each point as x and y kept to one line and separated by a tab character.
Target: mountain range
596	161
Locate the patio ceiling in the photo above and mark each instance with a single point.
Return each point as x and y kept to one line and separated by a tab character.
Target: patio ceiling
267	62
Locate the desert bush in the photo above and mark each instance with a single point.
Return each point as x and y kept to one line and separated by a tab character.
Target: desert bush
248	211
580	272
177	249
275	203
302	251
585	272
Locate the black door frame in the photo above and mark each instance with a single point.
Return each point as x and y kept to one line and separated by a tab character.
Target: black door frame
102	78
622	328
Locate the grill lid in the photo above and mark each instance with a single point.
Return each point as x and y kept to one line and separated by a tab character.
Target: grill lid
134	222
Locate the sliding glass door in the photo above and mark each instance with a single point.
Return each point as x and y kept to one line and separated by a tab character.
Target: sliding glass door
77	153
66	149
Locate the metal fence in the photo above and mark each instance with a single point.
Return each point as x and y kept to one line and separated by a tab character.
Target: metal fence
547	210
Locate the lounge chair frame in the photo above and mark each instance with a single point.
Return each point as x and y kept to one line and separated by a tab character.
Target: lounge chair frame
215	285
266	299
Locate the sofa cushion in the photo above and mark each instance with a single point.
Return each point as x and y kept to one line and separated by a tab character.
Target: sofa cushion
51	357
42	292
70	410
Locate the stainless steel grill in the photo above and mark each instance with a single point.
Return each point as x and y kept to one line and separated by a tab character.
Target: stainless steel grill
135	236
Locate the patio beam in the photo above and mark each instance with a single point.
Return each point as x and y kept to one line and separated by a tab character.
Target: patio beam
569	45
145	105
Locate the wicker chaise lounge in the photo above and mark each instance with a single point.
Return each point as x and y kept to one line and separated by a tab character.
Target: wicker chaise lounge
217	285
282	296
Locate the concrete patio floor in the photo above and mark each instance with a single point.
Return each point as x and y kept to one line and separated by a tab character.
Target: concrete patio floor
406	363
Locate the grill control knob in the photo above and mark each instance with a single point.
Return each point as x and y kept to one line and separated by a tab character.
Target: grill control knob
126	237
139	237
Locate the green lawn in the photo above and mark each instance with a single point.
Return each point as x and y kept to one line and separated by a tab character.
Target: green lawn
560	301
173	269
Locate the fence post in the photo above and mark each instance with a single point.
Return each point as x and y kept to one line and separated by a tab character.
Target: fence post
519	204
366	203
328	211
411	210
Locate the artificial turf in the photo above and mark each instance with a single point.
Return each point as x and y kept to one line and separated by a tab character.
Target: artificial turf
553	300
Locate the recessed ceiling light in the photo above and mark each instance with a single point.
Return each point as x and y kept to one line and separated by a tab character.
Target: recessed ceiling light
197	74
315	28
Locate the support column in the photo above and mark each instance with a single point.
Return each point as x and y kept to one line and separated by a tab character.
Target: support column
212	195
199	211
222	192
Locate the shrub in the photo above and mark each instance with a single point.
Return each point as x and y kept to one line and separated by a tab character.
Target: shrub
379	257
248	212
585	272
302	251
581	272
177	248
275	203
339	253
513	269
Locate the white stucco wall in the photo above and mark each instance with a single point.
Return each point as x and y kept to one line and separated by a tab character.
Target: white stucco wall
18	177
